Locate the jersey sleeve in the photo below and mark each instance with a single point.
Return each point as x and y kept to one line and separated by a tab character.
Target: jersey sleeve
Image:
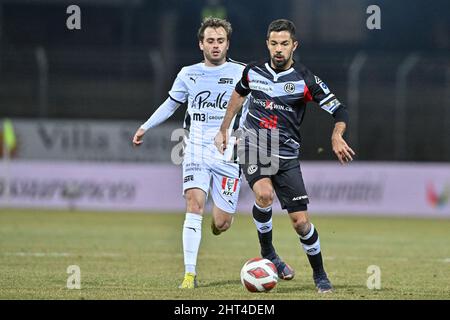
316	90
163	113
243	87
179	91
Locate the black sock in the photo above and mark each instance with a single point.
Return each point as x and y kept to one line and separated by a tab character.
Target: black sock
263	221
316	263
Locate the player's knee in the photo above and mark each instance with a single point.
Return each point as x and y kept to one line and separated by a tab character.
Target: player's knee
223	225
194	206
264	197
301	225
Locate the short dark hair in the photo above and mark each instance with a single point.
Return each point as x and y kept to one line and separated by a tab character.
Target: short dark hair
282	25
214	23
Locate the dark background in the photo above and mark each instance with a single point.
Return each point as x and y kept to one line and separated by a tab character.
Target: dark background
122	62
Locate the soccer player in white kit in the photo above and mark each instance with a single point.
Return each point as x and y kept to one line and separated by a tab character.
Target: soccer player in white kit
206	87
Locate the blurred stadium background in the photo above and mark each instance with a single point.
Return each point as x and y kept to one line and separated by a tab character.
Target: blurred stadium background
70	101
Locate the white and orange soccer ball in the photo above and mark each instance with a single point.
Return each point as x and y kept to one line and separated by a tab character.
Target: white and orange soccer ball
259	275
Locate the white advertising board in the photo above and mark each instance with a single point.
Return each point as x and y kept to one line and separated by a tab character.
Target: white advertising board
392	189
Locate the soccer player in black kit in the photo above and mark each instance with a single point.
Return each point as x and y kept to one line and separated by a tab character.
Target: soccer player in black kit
279	91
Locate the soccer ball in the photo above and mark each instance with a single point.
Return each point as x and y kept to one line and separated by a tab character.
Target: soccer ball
259	275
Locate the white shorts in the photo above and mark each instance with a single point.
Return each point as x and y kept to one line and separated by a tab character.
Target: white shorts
223	178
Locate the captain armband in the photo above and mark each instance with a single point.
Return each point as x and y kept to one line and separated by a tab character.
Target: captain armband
329	103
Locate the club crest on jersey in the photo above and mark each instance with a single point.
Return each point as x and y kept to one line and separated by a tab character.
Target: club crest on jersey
229	186
289	87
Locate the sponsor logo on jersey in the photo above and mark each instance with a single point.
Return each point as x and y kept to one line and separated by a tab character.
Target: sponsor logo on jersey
193	167
202	101
252	169
322	85
269	123
264	82
203	117
199	117
324	88
260	86
188	178
289	87
270	105
216	117
229	186
193	76
300	198
225	81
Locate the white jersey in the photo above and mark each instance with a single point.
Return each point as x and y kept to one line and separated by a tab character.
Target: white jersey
207	91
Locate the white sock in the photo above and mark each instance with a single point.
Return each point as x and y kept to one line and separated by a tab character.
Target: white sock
260	216
192	234
311	242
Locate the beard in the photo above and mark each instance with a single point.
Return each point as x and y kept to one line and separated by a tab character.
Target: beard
280	64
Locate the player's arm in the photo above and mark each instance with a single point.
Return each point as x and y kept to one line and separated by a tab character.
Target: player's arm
234	105
164	112
340	147
177	96
318	91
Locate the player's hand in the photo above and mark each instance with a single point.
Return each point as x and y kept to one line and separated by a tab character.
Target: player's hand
220	141
138	137
341	149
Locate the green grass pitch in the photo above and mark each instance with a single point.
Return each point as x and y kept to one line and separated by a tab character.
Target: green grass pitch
139	256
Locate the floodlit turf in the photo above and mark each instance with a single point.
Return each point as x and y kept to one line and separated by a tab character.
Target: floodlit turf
139	256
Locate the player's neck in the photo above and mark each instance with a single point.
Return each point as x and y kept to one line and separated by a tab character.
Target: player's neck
216	64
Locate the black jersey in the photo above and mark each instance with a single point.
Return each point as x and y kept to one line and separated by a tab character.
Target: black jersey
278	101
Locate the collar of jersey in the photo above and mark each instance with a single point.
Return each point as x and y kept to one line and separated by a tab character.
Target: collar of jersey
204	66
277	75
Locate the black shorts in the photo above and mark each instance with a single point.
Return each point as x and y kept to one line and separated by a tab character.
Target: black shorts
287	182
